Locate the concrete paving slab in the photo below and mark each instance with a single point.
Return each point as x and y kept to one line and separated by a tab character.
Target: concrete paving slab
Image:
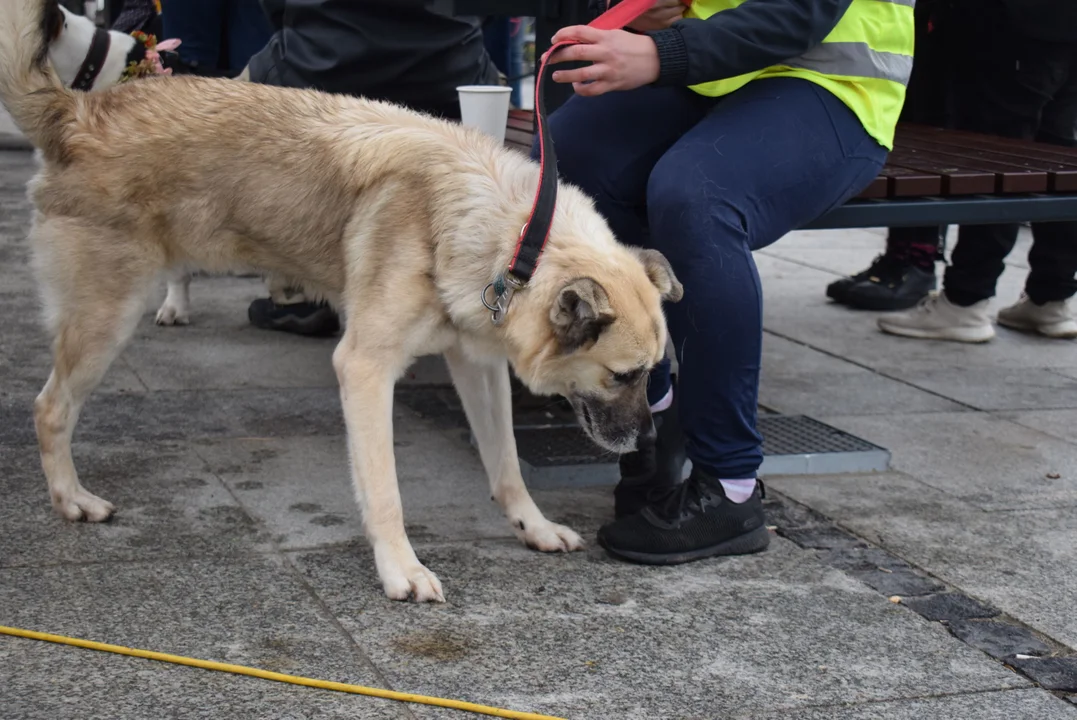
1062	424
998	388
49	682
300	490
252	611
796	307
236	357
584	636
861	393
168	505
798	379
980	459
1001	705
1019	562
188	416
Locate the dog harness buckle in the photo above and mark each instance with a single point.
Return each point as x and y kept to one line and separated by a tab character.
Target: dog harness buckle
504	287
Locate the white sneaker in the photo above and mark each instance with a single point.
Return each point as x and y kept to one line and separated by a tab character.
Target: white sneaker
1052	319
936	318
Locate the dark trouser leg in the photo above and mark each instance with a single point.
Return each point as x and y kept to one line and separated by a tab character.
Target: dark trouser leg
1053	258
708	236
1008	81
927	102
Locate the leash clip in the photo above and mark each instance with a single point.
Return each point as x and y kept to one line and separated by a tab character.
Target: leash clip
504	287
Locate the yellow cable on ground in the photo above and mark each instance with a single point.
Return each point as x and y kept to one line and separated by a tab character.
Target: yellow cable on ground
279	677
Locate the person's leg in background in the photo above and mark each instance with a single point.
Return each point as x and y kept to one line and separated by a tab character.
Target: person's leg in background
826	156
1006	82
904	273
1052	277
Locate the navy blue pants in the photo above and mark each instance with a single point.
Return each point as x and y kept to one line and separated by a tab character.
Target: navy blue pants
707	181
201	25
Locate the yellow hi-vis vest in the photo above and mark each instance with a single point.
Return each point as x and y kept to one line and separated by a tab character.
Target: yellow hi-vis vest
865	61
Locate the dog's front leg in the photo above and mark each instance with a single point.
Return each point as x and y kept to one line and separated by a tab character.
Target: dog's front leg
366	393
487	399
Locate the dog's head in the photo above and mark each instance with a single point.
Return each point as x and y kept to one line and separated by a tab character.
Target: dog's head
76	45
592	328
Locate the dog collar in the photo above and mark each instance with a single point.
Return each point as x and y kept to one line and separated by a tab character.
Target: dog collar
536	232
95	59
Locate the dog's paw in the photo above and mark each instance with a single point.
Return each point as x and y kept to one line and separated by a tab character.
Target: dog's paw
546	536
414	582
83	505
172	315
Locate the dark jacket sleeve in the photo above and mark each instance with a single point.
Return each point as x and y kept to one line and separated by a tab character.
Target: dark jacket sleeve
749	37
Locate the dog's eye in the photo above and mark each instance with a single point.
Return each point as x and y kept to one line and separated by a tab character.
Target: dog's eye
627	378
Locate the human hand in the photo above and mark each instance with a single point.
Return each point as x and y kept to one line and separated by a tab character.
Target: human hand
621	60
661	16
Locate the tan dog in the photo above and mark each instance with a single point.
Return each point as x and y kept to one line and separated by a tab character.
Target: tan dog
398	219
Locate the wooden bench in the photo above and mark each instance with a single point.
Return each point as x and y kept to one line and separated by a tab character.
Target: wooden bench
939	177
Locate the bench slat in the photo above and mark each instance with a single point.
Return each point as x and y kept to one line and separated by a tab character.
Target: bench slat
906	182
1009	177
956	179
1059	163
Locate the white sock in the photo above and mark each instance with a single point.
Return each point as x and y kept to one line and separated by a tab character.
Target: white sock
664	403
738	490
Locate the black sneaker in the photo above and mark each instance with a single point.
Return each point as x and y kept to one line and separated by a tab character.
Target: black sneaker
693	521
882	266
305	318
656	467
899	288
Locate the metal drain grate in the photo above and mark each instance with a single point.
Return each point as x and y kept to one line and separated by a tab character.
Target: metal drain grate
800	445
554	452
792	445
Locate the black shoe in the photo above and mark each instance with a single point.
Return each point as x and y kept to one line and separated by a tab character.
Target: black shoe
306	318
836	290
898	288
656	467
885	268
693	521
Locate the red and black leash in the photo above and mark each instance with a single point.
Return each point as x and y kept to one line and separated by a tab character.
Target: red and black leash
537	230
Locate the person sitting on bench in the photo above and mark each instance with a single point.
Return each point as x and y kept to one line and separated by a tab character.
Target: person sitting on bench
1017	62
707	138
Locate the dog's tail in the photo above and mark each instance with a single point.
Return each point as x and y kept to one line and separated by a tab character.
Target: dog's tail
36	99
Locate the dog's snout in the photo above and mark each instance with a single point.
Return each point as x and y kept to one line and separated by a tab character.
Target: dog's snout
646	434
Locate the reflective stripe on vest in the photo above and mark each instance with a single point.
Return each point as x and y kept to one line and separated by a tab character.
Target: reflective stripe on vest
865	60
853	59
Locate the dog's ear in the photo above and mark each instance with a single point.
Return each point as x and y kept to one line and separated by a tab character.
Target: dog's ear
661	274
580	312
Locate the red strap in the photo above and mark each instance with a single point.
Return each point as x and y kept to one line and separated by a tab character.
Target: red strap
622	13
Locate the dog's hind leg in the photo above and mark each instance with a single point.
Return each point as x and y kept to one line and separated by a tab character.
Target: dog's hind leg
487	399
176	309
93	303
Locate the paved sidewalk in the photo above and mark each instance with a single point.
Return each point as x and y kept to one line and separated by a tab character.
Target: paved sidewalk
237	538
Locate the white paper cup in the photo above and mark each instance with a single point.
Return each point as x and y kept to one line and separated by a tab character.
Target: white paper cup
485	107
